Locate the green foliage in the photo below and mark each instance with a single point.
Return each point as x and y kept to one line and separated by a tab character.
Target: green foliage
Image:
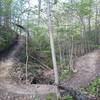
66	74
84	7
40	44
97	46
7	2
51	96
55	1
40	38
68	97
1	12
92	88
62	30
6	8
7	37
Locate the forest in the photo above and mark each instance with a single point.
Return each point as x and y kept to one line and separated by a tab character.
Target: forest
49	49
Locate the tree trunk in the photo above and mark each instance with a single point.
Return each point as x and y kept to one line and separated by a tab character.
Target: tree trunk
52	44
39	5
27	57
1	13
71	55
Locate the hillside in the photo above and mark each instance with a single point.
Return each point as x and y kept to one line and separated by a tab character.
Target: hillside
10	88
88	69
7	38
49	49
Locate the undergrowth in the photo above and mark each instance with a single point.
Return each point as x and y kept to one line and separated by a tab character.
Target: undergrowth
93	88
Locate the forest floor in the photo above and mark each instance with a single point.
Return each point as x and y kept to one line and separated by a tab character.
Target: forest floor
9	89
88	67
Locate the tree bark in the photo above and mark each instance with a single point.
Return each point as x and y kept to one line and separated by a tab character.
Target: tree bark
1	12
52	44
39	5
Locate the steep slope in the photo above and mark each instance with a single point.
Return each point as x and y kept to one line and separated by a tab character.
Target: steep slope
10	89
88	68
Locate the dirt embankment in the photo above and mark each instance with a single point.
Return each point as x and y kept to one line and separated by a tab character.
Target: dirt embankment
88	68
10	89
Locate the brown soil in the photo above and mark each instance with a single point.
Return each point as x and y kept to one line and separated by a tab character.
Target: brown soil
88	68
10	90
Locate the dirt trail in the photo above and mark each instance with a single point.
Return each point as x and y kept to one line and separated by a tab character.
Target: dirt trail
87	70
10	88
8	63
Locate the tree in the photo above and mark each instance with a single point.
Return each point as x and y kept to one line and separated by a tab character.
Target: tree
0	12
7	12
39	10
52	43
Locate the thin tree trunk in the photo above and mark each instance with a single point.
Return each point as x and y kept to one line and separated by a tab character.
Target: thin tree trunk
52	44
39	5
71	55
96	23
27	57
27	48
89	23
59	47
1	14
